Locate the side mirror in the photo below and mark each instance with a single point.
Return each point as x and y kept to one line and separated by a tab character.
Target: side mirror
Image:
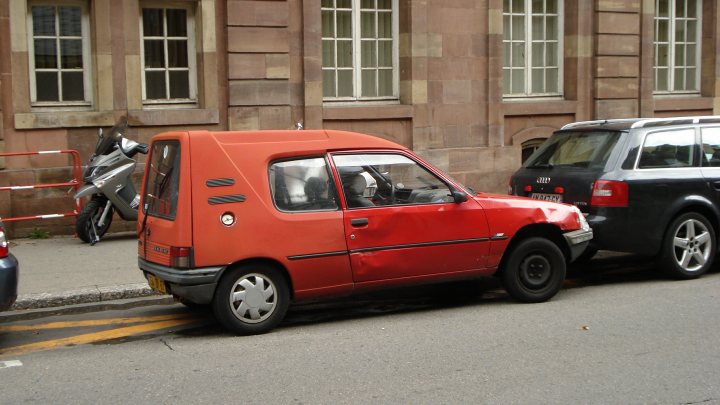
458	196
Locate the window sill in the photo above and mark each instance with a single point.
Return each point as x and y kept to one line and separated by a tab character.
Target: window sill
64	119
185	116
367	112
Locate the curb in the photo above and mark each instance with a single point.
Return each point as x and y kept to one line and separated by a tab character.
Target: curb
82	296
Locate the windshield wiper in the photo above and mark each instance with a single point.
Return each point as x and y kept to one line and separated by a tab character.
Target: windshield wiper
541	166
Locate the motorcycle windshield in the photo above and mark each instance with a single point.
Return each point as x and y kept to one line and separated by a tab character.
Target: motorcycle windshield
106	142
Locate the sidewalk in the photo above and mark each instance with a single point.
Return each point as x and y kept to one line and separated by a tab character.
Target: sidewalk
63	271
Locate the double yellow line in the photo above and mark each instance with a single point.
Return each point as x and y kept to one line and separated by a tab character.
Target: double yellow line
150	323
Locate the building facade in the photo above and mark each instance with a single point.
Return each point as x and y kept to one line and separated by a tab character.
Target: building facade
471	85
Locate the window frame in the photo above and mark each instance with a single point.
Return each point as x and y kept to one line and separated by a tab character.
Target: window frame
671	44
332	185
528	44
449	185
696	163
357	68
85	37
193	100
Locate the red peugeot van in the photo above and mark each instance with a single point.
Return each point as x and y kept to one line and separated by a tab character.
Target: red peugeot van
252	221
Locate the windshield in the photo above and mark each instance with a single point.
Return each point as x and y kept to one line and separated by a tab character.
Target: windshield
589	149
106	141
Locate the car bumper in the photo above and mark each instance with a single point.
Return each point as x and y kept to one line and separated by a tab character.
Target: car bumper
9	276
195	285
578	241
615	230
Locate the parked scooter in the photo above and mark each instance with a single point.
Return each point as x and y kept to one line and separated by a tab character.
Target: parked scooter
108	183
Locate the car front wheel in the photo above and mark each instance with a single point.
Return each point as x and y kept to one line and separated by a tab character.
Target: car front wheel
689	247
251	299
534	270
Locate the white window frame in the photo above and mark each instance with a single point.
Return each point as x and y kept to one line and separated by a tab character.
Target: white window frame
528	42
357	56
192	63
671	44
86	69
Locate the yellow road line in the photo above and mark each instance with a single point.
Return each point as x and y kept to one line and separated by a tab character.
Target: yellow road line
93	322
94	337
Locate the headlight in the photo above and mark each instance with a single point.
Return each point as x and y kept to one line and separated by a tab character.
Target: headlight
581	219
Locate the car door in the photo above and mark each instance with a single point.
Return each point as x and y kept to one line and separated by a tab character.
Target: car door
711	161
401	220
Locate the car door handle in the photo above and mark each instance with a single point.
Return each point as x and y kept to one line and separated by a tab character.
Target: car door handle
358	222
716	185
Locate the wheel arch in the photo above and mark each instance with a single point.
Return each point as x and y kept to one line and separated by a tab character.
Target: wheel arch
264	261
699	205
547	231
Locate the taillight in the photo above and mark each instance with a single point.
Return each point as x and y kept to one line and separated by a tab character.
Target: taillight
3	243
180	257
608	193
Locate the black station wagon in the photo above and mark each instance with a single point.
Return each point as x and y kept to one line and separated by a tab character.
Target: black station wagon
646	186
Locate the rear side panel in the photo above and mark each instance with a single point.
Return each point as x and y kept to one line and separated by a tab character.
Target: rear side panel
165	217
230	177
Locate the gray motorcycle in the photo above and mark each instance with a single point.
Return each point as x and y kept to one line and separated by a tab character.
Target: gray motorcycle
108	183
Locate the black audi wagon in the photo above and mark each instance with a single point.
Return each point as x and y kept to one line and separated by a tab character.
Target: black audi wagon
646	186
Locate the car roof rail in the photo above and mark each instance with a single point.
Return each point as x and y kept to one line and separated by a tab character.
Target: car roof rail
654	122
600	122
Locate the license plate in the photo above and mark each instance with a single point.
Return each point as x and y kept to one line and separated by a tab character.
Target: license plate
157	284
547	197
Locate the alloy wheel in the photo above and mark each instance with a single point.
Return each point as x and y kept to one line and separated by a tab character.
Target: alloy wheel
692	245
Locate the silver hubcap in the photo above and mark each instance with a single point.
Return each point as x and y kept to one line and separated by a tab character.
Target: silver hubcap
692	245
253	298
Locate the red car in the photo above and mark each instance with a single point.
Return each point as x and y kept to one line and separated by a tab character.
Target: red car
251	221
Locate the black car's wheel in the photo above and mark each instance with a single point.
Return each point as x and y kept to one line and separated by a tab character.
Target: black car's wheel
89	217
689	247
534	270
251	299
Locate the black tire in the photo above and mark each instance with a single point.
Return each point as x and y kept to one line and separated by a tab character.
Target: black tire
534	270
264	312
688	248
90	213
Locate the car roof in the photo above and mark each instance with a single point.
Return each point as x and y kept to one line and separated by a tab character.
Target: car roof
626	124
293	140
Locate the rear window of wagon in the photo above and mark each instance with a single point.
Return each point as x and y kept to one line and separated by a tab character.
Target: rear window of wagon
161	187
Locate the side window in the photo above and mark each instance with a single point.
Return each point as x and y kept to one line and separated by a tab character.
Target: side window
302	185
371	180
711	147
668	149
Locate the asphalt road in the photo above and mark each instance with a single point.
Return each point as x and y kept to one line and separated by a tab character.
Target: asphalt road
618	333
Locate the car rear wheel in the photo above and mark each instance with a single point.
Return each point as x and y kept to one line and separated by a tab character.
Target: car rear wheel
251	299
534	270
689	247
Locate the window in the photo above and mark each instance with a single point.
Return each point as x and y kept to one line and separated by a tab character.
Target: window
529	147
677	46
302	185
59	52
359	41
711	147
163	180
387	179
168	56
578	149
532	46
668	149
